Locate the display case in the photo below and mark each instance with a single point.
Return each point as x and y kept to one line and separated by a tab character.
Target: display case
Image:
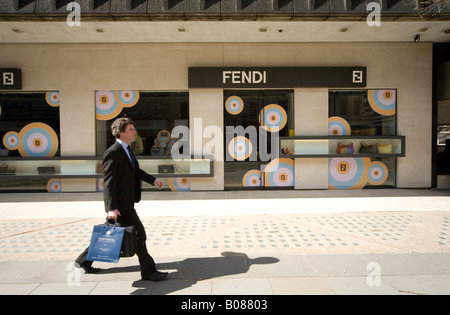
165	166
342	146
91	167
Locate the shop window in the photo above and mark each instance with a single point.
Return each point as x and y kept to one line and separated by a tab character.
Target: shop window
254	120
363	113
155	114
368	112
29	128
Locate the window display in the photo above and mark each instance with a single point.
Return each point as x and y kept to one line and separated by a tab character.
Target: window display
29	128
29	124
370	113
253	121
155	114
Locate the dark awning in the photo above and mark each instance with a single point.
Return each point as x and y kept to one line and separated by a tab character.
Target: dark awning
223	9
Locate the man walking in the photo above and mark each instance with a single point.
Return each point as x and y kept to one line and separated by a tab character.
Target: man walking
121	189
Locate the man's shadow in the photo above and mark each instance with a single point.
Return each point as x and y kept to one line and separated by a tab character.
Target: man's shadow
191	270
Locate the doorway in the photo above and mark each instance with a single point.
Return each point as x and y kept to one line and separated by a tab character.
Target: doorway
254	120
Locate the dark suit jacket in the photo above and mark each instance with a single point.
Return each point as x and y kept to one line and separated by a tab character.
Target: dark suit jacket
122	183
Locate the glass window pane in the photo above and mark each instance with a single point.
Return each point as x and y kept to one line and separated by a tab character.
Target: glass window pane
155	115
363	112
29	127
260	116
29	124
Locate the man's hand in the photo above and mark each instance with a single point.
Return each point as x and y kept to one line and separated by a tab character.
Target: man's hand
159	183
113	214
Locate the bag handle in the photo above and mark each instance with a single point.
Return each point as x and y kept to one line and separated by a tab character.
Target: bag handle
107	221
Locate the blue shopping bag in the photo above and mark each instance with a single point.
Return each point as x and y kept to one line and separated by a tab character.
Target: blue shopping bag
106	242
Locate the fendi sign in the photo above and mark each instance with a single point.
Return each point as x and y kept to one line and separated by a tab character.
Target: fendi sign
10	79
277	77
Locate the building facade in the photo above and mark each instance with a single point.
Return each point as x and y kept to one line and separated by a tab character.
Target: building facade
220	109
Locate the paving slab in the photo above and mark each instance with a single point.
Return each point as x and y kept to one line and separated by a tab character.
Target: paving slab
359	286
420	284
250	286
301	286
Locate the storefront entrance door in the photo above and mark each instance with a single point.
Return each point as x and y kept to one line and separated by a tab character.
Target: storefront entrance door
254	121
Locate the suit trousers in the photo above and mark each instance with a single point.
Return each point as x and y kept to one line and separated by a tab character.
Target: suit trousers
145	260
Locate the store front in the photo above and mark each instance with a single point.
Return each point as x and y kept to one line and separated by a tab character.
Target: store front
351	123
261	149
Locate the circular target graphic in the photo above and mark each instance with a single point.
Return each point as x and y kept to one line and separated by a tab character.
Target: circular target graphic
54	185
347	173
106	106
273	118
180	184
252	179
240	148
280	173
163	136
234	105
382	101
171	143
38	139
338	126
377	173
156	150
127	98
52	98
11	140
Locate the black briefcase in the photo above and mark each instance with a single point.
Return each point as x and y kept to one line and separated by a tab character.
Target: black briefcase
129	243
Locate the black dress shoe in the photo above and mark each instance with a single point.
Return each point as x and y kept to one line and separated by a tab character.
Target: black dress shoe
156	276
90	269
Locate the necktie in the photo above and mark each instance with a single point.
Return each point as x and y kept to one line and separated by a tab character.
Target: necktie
131	156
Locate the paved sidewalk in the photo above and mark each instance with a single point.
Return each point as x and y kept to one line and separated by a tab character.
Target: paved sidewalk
232	243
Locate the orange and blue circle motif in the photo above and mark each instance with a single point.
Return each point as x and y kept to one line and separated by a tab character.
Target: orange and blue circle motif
52	98
180	184
109	104
163	136
11	140
38	140
171	143
156	150
383	101
127	98
252	179
240	148
106	106
377	173
273	118
347	173
234	105
338	126
54	185
280	173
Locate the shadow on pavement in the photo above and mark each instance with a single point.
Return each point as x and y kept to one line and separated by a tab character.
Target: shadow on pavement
191	270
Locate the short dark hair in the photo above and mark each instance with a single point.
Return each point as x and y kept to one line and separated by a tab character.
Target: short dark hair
120	125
